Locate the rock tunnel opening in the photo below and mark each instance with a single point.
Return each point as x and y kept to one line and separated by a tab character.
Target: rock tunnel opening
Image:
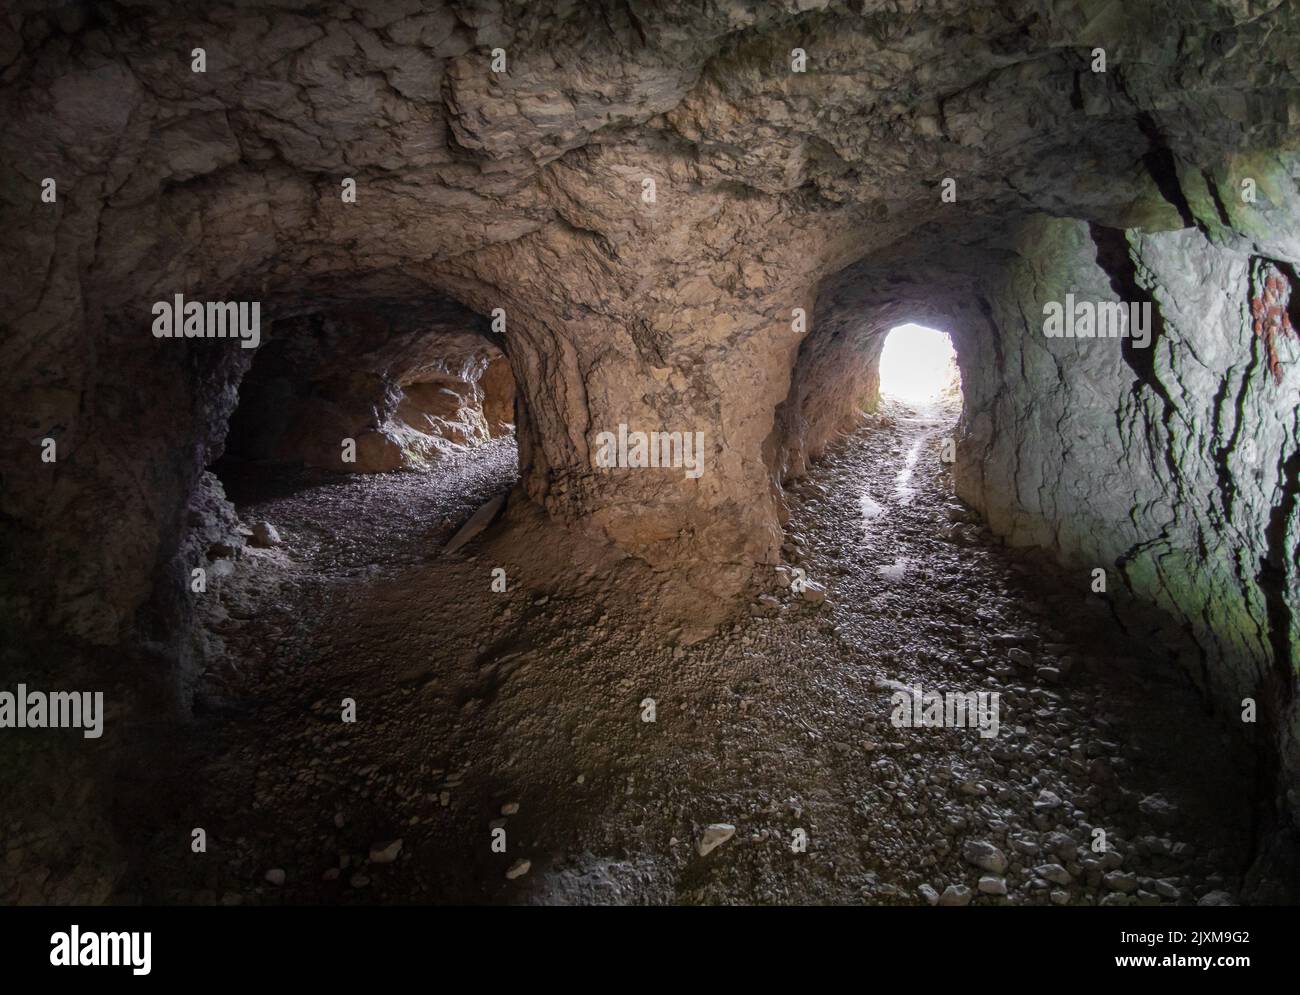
363	438
369	392
918	366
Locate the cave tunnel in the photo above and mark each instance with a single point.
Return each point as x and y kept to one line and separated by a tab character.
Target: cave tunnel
687	480
364	390
403	403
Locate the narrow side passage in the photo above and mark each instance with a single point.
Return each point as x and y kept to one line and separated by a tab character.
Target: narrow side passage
1154	476
528	712
332	399
373	390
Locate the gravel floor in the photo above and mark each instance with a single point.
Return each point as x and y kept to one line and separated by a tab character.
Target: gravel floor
470	702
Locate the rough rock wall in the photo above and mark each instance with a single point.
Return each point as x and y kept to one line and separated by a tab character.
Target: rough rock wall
1175	468
526	190
498	386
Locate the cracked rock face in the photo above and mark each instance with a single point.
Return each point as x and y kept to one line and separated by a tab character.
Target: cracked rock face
1173	468
649	196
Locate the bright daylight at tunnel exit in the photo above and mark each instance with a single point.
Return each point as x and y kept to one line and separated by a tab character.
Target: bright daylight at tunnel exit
919	365
731	453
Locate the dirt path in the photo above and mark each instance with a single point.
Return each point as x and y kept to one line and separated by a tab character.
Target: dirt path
468	701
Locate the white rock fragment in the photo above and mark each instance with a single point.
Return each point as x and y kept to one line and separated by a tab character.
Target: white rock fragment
518	869
385	853
985	856
714	836
478	521
813	592
265	535
955	895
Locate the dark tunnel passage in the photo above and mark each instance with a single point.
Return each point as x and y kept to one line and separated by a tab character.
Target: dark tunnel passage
364	438
652	475
368	392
